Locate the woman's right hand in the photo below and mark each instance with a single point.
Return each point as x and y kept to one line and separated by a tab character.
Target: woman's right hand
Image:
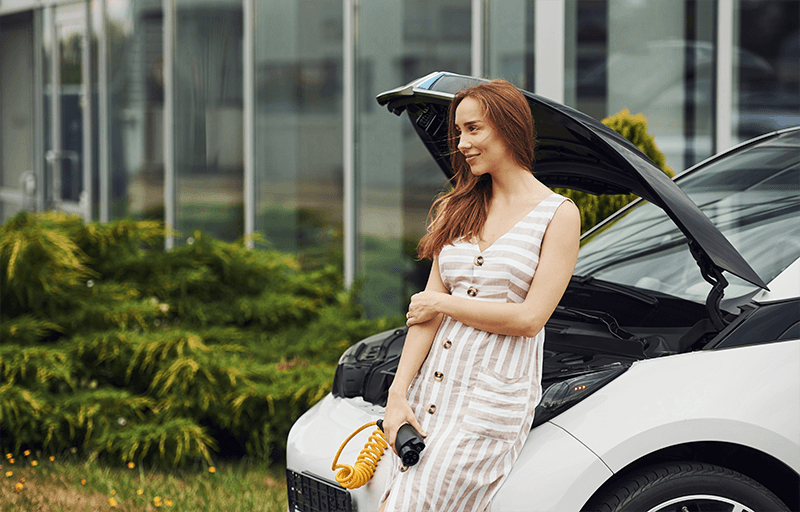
398	413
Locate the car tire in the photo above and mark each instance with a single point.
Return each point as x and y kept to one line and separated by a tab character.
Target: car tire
687	487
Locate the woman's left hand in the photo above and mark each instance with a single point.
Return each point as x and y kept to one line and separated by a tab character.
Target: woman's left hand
424	306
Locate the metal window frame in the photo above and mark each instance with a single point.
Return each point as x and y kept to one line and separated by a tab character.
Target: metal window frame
249	58
103	105
349	199
168	7
86	198
724	75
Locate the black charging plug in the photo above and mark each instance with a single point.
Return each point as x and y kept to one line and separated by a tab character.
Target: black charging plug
409	443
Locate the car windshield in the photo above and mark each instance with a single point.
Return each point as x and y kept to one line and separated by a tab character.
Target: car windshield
752	196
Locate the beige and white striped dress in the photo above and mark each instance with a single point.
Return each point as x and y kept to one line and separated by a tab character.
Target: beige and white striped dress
476	392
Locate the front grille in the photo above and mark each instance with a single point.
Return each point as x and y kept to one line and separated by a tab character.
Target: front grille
308	493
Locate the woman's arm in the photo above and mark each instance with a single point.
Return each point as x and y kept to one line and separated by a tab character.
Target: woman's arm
415	350
557	258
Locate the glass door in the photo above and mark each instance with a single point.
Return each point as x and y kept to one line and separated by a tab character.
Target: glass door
67	104
17	117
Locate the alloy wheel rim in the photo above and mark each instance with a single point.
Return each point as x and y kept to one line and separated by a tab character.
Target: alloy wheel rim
701	503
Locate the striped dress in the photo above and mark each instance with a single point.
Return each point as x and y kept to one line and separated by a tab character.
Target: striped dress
476	391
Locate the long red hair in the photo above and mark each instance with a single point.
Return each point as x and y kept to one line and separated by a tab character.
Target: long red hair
461	212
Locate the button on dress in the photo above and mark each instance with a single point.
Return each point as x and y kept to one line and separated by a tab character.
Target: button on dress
476	391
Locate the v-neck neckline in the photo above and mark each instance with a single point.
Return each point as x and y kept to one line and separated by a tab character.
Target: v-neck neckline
509	230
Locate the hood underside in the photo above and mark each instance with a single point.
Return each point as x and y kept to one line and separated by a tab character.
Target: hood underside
573	151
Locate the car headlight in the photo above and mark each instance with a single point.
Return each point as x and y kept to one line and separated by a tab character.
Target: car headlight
562	395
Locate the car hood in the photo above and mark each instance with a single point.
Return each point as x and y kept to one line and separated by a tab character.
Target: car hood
573	151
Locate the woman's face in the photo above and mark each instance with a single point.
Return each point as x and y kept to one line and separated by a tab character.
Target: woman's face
481	145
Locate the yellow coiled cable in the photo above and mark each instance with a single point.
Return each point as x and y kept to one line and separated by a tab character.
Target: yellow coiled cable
353	477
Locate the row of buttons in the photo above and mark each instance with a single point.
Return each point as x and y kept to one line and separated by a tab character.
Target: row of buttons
438	376
472	291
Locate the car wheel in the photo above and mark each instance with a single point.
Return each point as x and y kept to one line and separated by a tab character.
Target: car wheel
687	487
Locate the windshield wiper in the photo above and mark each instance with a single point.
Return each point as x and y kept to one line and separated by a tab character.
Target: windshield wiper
622	289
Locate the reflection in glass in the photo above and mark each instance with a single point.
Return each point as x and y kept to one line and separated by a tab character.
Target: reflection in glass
399	41
754	200
510	44
136	106
766	61
62	72
209	162
651	57
298	128
70	22
17	115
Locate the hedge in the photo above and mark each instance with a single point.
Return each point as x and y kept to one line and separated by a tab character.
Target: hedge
121	350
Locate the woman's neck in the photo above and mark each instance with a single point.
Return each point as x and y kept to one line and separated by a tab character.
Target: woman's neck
516	185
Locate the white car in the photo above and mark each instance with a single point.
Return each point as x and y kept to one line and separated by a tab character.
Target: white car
672	364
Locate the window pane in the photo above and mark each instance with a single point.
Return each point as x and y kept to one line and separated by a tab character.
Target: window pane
17	123
298	109
766	62
510	44
399	41
651	57
136	108
208	121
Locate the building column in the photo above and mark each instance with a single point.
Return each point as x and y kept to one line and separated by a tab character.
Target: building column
549	64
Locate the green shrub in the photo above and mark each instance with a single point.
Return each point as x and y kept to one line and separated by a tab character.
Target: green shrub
596	208
124	351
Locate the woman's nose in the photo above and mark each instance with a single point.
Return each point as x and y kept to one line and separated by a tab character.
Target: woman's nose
463	143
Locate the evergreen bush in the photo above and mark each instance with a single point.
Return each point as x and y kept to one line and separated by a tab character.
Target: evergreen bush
121	350
596	208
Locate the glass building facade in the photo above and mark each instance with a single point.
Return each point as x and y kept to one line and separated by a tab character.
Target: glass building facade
236	117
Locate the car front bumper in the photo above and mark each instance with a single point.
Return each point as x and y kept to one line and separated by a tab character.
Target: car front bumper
554	472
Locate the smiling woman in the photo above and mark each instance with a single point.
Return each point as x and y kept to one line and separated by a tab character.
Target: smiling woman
503	247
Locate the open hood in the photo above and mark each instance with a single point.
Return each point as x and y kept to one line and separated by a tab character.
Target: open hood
575	151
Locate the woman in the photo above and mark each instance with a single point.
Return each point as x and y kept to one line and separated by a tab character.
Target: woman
504	247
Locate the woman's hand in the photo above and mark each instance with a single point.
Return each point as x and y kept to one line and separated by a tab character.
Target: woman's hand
398	412
424	306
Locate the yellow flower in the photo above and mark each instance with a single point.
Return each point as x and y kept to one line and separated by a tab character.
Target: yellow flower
34	463
139	491
9	474
83	481
157	501
11	460
212	469
8	455
112	502
26	453
131	465
113	492
168	503
22	479
52	458
1	466
20	486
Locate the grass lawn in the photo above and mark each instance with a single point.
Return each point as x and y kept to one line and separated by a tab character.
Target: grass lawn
66	484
